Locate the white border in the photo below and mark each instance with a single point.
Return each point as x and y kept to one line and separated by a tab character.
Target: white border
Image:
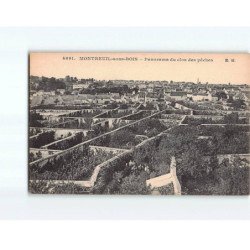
14	199
124	235
125	13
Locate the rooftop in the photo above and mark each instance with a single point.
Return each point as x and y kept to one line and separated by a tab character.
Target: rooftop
178	93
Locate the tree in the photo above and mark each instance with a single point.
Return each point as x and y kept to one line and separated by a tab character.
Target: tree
233	177
221	95
39	154
56	101
122	139
134	184
34	119
238	104
231	118
31	157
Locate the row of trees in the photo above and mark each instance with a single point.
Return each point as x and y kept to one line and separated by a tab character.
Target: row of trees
138	116
121	89
60	107
81	123
68	142
86	113
116	114
232	118
49	84
42	139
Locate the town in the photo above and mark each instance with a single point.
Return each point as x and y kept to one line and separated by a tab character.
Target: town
89	136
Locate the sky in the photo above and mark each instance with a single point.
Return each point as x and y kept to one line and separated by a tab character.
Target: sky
209	67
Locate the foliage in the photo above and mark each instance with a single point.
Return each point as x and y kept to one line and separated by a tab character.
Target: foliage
81	123
137	116
148	106
122	139
190	154
45	187
167	190
110	176
221	95
35	156
74	165
134	184
96	88
116	114
85	113
67	142
42	139
231	118
34	119
34	131
238	104
233	177
50	84
230	140
122	182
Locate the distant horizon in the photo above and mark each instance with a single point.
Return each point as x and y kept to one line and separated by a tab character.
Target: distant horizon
200	82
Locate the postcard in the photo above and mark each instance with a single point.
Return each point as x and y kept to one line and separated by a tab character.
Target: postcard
139	123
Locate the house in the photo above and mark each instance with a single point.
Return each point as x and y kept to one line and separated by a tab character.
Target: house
61	91
142	86
50	93
142	97
152	97
240	96
75	92
150	89
116	99
115	94
69	86
132	97
32	92
201	97
78	85
101	99
178	95
215	98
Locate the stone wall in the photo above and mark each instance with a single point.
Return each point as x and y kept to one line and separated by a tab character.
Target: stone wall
84	145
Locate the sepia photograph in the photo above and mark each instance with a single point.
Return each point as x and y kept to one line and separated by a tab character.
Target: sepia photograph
125	118
139	123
